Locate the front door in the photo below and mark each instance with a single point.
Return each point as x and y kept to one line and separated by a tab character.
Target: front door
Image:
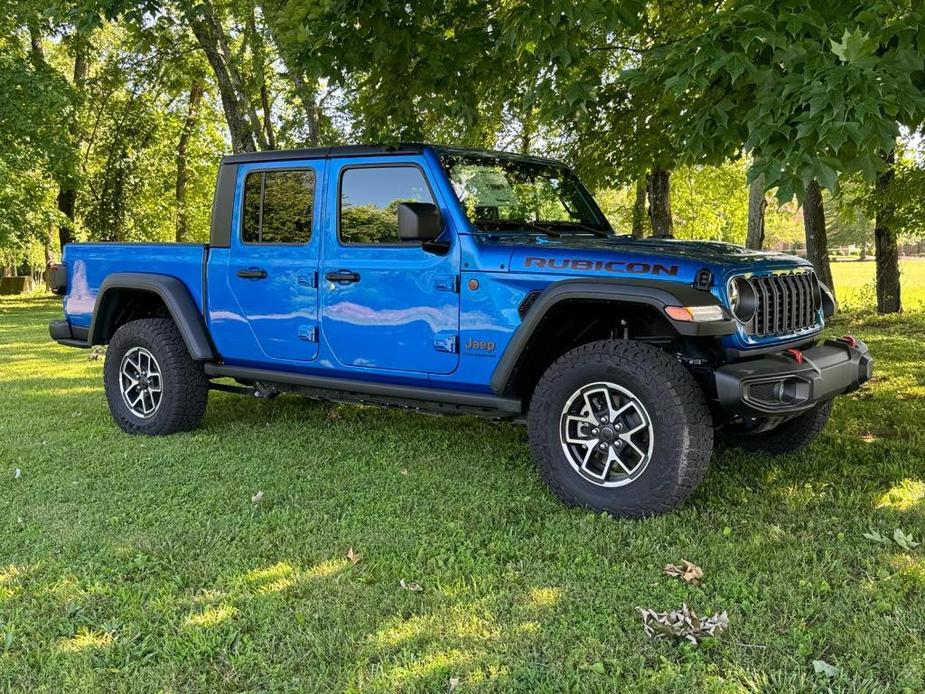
273	264
387	304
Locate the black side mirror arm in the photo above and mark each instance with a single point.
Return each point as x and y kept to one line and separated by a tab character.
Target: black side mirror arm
436	247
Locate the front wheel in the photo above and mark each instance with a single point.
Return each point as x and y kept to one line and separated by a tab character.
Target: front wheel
152	383
621	427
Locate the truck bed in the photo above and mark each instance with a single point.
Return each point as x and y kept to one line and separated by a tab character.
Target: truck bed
88	264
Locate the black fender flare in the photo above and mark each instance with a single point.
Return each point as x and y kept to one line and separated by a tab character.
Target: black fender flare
176	297
655	293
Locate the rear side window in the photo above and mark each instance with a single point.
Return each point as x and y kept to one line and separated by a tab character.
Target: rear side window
278	206
369	200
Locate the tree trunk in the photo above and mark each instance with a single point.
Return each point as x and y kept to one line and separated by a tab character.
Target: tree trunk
660	203
305	92
207	33
757	203
639	209
258	58
195	96
817	251
36	52
67	191
887	252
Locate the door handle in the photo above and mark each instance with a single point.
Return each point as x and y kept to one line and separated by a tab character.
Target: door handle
342	276
253	273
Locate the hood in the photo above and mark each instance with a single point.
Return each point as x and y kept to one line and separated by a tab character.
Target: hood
573	254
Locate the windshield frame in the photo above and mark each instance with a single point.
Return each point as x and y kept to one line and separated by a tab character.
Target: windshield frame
602	226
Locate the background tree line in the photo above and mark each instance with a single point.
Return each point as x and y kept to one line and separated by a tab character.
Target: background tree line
784	121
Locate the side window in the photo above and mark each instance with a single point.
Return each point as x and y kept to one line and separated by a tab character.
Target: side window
369	200
278	206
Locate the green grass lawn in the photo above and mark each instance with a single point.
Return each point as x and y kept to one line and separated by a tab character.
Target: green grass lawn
857	290
139	564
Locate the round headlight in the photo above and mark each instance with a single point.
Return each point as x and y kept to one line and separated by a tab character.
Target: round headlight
743	301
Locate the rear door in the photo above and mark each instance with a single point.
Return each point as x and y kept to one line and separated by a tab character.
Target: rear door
273	261
387	304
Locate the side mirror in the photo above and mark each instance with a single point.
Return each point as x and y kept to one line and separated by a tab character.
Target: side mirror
419	221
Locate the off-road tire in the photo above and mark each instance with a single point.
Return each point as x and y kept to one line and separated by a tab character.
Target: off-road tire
185	388
680	419
790	437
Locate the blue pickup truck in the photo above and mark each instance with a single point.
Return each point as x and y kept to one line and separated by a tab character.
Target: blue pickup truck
465	281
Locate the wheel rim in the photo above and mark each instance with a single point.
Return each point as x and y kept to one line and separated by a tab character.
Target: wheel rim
140	382
606	434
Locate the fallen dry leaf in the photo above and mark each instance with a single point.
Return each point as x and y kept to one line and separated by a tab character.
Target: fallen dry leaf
687	572
333	414
96	353
404	471
353	556
256	498
411	585
454	682
682	624
17	474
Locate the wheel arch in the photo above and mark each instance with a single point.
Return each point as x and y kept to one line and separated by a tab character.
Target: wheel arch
569	302
126	296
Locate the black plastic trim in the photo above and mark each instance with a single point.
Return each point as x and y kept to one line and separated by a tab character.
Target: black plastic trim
387	391
57	278
324	152
658	294
65	334
223	205
832	368
175	295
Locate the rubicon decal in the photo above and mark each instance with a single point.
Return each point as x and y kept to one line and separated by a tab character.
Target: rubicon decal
616	266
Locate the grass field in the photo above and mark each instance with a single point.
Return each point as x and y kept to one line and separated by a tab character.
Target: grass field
135	564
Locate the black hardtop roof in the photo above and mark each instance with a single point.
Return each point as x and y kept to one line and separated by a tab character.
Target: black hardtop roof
367	150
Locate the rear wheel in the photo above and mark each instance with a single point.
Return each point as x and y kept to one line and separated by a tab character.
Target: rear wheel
789	437
620	427
152	384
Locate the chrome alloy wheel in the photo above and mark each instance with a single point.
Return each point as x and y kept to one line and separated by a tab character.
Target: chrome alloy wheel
140	382
606	434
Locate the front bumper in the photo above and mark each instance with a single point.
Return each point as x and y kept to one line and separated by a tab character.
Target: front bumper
790	382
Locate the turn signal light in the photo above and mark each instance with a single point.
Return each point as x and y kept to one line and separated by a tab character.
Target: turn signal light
695	314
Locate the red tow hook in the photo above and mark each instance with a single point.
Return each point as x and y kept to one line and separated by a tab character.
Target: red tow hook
850	339
797	354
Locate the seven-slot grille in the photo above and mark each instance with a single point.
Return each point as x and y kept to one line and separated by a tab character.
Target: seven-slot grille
785	304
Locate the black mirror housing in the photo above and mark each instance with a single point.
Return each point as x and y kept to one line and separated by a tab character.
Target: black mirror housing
419	221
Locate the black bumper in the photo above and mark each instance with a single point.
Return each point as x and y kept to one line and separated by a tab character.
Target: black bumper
790	382
64	333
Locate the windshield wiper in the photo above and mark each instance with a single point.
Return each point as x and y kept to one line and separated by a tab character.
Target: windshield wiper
519	224
600	233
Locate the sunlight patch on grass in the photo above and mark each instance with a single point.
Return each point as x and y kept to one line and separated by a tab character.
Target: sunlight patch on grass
283	575
903	496
211	616
11	572
275	572
910	568
449	661
545	596
85	640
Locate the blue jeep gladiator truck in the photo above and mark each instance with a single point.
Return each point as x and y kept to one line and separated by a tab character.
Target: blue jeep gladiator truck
467	282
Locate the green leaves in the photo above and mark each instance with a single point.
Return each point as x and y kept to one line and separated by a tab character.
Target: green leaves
855	46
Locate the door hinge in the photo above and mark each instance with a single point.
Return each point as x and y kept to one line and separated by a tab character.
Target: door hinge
447	283
446	343
308	333
309	280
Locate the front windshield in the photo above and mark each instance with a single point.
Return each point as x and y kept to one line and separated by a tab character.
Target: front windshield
499	192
